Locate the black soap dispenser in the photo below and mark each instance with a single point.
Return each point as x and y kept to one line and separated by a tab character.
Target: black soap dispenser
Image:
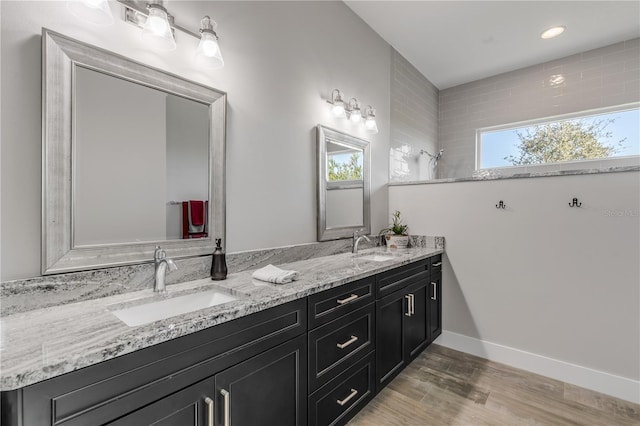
218	263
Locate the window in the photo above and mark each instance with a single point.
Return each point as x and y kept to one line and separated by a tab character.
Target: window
590	135
344	163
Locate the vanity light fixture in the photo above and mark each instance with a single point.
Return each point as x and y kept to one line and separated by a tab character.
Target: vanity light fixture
353	111
96	12
157	28
552	32
208	53
337	103
370	120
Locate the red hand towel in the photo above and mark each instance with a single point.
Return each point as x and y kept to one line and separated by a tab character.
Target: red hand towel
197	212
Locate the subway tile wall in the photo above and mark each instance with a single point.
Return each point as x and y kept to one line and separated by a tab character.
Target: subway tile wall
414	122
597	78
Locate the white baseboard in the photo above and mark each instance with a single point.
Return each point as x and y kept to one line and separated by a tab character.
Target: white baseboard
599	381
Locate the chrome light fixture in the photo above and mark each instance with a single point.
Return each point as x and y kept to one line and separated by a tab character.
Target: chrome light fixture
337	103
95	12
354	110
370	120
208	53
157	28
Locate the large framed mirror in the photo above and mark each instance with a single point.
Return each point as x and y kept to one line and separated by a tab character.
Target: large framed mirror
343	184
133	157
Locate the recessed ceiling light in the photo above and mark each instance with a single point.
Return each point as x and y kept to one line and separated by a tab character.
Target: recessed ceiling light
553	32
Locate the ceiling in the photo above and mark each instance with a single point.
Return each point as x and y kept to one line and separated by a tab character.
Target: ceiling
454	42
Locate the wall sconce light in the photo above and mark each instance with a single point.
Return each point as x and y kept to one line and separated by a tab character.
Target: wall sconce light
157	28
352	111
337	103
96	12
370	120
208	53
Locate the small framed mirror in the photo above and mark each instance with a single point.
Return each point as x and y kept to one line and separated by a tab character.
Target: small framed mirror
133	157
343	184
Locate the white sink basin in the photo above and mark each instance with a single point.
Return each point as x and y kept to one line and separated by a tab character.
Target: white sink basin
155	311
377	257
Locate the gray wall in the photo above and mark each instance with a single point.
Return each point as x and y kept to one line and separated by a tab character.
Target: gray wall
282	59
414	120
598	78
539	276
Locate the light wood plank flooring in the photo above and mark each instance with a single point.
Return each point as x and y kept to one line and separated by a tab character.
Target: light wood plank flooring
447	387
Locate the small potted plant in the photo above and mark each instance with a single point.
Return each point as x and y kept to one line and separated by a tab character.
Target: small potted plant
396	235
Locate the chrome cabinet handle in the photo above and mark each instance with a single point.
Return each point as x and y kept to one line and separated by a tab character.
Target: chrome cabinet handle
347	399
413	303
226	395
347	343
435	291
408	297
348	299
436	264
209	403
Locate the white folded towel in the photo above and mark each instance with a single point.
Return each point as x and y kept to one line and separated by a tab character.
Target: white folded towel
275	275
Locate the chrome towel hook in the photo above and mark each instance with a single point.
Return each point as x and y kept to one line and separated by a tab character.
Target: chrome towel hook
575	203
501	205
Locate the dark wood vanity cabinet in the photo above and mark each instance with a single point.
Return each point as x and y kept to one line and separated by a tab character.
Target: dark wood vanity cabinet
408	315
315	361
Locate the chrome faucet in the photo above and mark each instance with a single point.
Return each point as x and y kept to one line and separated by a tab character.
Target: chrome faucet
161	263
356	241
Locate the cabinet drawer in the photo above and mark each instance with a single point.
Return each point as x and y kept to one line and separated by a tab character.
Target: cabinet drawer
336	345
102	392
331	304
390	281
339	400
435	263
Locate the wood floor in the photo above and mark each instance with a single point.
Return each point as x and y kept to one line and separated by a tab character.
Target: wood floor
447	387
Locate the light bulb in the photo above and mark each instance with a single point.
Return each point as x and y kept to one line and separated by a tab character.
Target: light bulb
208	54
553	32
355	115
338	109
209	47
370	125
157	30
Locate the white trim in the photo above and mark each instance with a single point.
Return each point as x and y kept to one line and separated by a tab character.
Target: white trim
599	381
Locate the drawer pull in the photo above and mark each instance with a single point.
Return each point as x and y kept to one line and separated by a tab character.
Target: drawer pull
408	297
435	265
210	417
412	299
347	399
435	291
227	407
348	299
347	343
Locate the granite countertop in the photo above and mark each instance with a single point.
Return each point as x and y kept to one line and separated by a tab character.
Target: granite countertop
44	343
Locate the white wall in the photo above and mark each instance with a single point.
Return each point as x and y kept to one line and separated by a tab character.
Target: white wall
282	60
119	161
540	276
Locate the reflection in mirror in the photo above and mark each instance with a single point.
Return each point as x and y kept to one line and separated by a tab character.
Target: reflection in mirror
133	157
343	184
345	197
160	144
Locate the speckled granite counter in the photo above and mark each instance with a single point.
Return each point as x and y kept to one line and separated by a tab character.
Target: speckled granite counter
44	343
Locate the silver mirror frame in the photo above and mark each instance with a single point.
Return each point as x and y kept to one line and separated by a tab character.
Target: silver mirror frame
324	233
60	55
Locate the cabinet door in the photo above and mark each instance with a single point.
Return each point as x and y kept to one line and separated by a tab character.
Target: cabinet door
192	406
268	389
416	331
390	359
435	306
